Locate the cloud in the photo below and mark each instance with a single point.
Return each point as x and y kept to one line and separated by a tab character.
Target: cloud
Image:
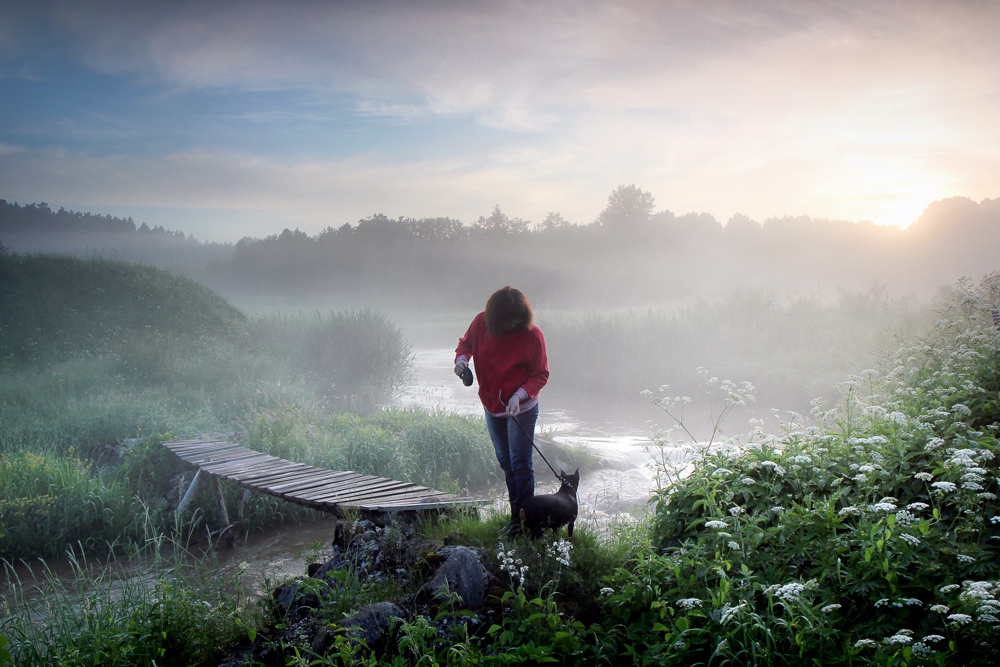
847	109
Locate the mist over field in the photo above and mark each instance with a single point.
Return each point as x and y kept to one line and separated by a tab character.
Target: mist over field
635	299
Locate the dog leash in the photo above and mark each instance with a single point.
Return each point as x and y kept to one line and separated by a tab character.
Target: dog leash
525	433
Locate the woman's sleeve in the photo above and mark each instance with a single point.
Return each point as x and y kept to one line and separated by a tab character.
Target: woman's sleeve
538	367
464	348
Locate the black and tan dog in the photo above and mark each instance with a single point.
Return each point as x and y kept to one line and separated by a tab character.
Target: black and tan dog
552	510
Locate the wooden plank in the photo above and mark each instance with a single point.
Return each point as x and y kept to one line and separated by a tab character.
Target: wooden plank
206	449
353	481
285	477
366	492
195	444
277	467
278	475
252	462
301	484
395	494
389	491
216	458
347	487
315	480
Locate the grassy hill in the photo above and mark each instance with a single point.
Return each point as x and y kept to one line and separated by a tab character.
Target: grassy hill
56	308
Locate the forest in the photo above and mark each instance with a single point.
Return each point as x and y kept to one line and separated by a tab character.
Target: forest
630	254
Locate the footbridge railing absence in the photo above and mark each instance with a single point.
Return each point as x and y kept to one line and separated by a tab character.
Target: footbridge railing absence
330	491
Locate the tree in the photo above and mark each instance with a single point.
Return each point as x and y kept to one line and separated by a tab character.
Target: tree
628	207
499	223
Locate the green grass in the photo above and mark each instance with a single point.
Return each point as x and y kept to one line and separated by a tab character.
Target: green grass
869	538
178	612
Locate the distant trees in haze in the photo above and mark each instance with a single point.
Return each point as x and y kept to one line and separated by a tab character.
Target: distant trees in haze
629	255
628	206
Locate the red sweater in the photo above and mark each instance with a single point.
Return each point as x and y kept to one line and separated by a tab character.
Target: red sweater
505	363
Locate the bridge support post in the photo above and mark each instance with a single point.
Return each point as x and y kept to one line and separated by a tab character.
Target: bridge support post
223	514
190	492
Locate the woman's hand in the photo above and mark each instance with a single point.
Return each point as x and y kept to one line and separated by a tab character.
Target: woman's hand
514	405
460	367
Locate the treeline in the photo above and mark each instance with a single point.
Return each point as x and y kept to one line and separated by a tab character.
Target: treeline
35	218
628	255
625	257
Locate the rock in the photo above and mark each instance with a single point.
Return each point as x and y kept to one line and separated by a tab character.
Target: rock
296	600
368	625
462	573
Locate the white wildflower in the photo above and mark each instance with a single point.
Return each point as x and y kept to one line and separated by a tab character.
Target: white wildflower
849	511
830	607
986	495
729	612
777	509
735	546
916	507
865	643
720	472
949	588
924	476
960	619
748	480
939	608
715	523
944	486
962	558
933	443
988	618
736	511
912	540
607	591
860	478
898	639
688	603
881	507
866	468
933	638
921	650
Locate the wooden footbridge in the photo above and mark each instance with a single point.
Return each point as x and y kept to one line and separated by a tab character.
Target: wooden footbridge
325	490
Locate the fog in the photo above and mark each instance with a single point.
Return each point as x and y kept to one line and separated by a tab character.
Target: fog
632	300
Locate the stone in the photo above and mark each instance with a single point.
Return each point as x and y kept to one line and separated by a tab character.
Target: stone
296	600
463	574
369	625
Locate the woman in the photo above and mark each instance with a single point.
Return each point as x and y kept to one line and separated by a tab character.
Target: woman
511	367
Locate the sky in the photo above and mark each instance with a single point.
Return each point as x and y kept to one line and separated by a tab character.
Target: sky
231	119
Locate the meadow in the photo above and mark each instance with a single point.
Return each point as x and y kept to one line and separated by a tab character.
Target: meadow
863	533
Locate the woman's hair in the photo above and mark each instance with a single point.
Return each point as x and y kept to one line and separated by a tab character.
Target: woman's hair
508	310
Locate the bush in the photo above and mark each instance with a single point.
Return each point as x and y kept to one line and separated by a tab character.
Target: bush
49	501
871	537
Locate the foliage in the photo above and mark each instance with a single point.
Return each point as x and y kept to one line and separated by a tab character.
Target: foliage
181	613
871	537
48	501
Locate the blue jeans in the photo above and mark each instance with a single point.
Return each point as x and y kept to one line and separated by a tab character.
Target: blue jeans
513	451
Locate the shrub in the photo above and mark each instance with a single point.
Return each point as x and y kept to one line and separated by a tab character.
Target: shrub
870	537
